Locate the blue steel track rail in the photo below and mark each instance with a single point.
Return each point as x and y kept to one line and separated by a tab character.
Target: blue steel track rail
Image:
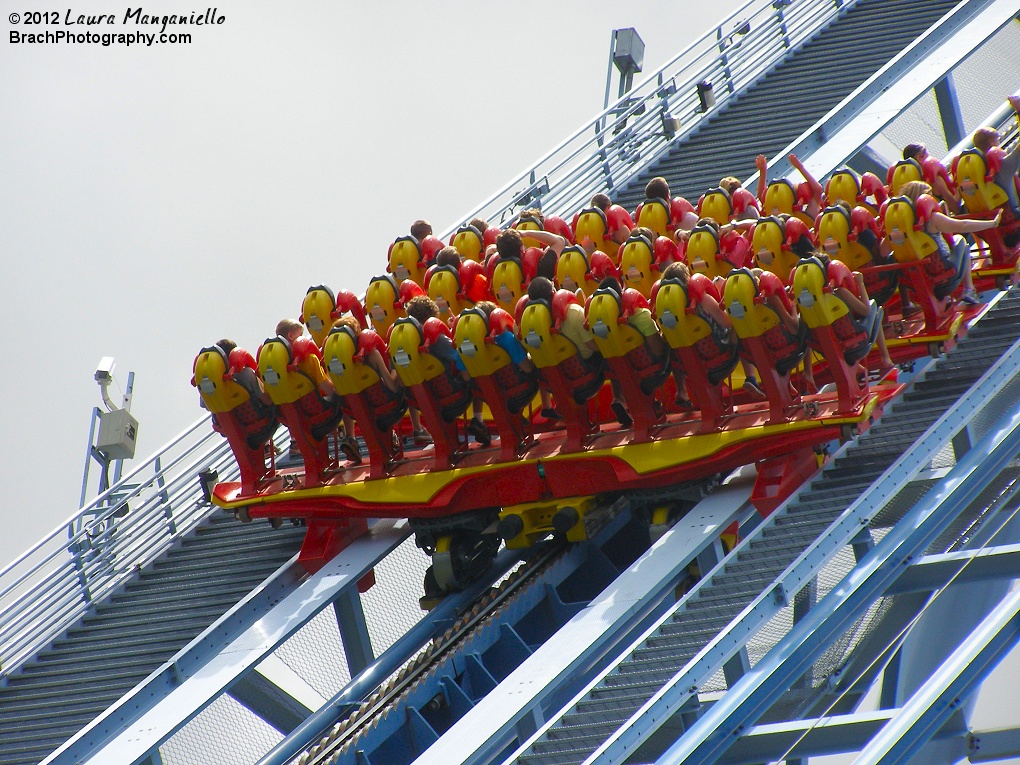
619	712
454	681
741	706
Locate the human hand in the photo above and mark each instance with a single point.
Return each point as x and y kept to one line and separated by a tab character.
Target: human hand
1014	101
761	162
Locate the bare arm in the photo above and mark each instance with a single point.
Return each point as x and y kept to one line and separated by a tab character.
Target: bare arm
790	321
816	187
861	289
943	192
761	162
741	224
857	306
711	306
553	241
388	376
946	225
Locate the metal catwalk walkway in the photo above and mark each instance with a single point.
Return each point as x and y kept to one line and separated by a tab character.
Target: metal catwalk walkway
140	627
791	98
664	671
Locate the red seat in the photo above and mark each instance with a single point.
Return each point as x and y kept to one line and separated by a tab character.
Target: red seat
375	408
238	412
292	375
440	393
704	355
639	373
573	381
505	388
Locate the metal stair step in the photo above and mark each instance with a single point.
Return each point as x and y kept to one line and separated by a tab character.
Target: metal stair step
681	629
100	698
41	717
604	722
141	602
57	733
58	690
209	571
733	587
237	550
797	524
138	603
111	654
64	676
196	621
575	740
790	542
150	621
725	603
668	649
559	758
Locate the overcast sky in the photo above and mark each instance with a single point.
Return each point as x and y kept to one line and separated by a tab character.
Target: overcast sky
155	199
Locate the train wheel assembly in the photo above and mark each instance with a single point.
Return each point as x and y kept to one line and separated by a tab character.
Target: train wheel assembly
461	557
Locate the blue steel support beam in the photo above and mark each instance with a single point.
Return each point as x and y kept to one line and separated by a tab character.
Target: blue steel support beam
935	571
269	701
949	110
675	693
953	613
350	619
874	105
993	745
438	620
217	658
850	733
877	655
846	734
890	680
814	737
930	573
932	705
743	704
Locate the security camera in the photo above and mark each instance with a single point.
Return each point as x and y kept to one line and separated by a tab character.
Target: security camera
104	370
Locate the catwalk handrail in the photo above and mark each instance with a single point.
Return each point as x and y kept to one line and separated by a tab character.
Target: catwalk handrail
603	154
740	707
46	589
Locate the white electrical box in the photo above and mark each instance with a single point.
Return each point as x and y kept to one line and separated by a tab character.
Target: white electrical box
118	432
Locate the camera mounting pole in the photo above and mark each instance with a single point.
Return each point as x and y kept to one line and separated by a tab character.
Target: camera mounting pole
114	439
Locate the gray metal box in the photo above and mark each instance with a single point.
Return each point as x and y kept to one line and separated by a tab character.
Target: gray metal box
118	432
629	54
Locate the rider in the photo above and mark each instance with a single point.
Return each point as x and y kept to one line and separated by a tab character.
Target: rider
867	313
984	139
940	223
809	193
422	308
